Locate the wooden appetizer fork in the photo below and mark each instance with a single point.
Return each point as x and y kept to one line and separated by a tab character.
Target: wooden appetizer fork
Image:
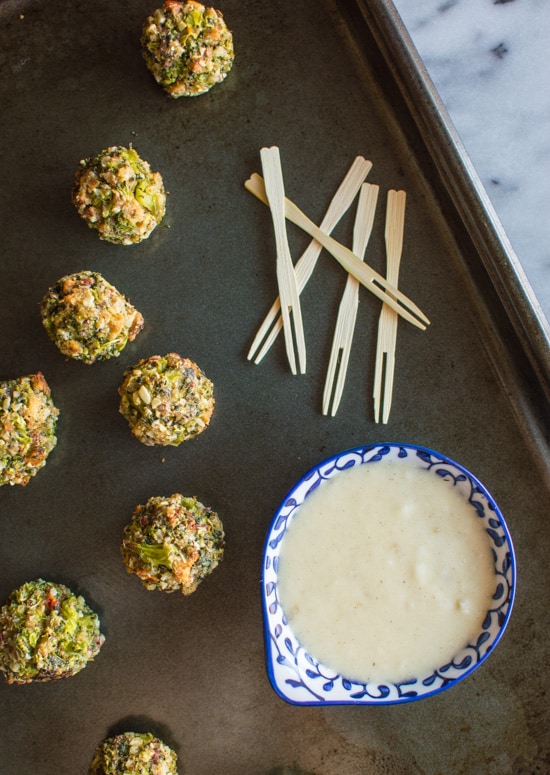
347	312
387	324
286	277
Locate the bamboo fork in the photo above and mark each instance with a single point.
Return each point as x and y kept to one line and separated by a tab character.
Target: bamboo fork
366	275
347	312
387	325
286	278
273	322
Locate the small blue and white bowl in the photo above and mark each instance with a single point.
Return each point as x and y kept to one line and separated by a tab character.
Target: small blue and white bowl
296	675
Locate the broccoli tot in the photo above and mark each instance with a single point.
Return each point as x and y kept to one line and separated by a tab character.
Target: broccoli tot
173	544
88	319
116	194
46	632
133	753
28	419
187	47
166	400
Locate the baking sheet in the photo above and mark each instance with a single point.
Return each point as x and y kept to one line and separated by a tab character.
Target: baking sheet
325	81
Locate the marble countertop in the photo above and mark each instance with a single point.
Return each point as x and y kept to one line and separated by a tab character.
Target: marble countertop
488	60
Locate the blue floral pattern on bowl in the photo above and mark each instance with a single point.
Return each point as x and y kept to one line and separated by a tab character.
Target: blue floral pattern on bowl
296	675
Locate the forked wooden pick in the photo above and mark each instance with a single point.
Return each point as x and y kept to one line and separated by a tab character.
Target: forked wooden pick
387	324
286	278
347	312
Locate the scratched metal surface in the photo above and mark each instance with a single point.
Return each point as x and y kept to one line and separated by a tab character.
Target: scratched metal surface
324	81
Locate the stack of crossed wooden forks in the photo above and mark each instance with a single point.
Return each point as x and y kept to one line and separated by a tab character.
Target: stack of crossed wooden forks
285	313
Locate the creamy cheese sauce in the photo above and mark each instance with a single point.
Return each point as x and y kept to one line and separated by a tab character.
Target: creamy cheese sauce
385	572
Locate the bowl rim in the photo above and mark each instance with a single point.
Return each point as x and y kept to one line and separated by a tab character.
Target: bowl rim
403	695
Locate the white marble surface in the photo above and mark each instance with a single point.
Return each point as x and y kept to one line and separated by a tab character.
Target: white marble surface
490	62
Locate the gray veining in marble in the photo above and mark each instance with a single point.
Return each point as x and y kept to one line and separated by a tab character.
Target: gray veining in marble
489	61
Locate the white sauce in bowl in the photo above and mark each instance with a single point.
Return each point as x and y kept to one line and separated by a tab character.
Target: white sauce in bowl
385	572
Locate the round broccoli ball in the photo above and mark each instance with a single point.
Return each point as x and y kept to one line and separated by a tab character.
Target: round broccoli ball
88	319
187	47
133	753
28	420
46	632
117	195
173	543
166	400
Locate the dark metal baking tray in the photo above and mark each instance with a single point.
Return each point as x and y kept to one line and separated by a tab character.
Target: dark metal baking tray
325	81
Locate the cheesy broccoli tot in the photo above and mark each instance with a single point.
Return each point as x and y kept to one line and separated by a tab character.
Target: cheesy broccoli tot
28	419
133	753
46	632
116	194
88	319
166	400
187	47
173	544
